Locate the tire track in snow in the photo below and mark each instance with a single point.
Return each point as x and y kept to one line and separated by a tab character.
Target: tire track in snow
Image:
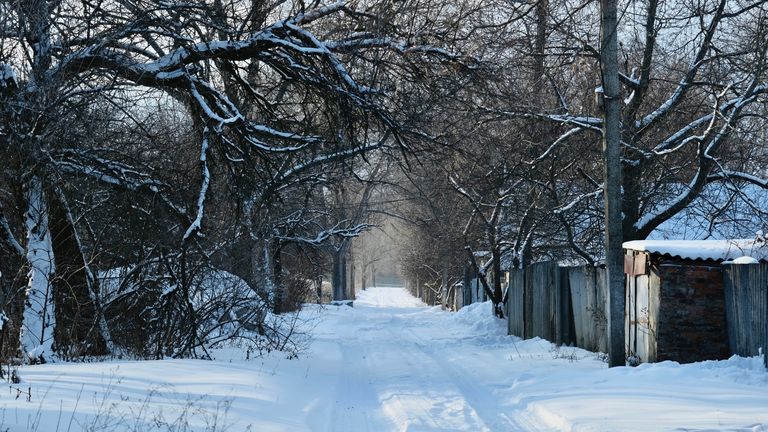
416	394
391	379
415	391
478	396
410	391
356	406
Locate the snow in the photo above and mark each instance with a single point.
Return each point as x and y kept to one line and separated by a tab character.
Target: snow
391	363
746	260
717	250
7	76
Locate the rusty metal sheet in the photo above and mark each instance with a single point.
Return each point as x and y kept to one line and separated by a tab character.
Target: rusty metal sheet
629	264
641	265
636	264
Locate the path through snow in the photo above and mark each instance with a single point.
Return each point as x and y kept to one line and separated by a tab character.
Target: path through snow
393	364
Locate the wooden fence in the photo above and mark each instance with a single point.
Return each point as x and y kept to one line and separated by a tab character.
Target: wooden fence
565	305
589	295
456	296
746	302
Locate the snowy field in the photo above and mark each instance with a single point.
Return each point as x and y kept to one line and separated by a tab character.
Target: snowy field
392	364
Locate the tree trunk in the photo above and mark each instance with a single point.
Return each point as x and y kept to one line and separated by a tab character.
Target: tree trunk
81	328
612	181
319	289
351	259
498	296
542	13
38	318
259	274
419	294
631	200
339	276
466	289
277	271
373	275
444	287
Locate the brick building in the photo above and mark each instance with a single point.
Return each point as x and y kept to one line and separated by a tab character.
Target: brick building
675	302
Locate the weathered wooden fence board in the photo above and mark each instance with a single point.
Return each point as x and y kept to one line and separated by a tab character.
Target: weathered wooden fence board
746	302
566	334
458	296
641	309
542	303
588	295
466	289
515	303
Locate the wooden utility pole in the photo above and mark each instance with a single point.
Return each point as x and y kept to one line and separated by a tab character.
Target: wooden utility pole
614	259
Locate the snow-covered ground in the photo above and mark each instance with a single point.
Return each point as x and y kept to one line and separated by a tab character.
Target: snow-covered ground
393	364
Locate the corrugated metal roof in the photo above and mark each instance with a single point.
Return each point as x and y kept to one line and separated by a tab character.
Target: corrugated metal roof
706	250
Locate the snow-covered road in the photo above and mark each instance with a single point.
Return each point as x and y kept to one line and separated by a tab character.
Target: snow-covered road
393	364
396	372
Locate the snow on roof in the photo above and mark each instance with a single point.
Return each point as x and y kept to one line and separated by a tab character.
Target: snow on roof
715	250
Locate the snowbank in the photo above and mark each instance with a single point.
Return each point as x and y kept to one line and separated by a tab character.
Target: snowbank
480	319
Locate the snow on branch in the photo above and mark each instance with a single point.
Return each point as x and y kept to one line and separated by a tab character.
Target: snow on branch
556	143
681	138
87	159
233	116
323	236
594	123
197	223
81	163
583	122
330	157
308	17
108	170
475	204
394	45
735	175
285	135
9	237
687	80
578	199
335	62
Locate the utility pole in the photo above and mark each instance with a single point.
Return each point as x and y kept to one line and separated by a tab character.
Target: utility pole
614	259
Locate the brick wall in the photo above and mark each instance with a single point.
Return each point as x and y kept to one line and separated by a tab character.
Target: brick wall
691	324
